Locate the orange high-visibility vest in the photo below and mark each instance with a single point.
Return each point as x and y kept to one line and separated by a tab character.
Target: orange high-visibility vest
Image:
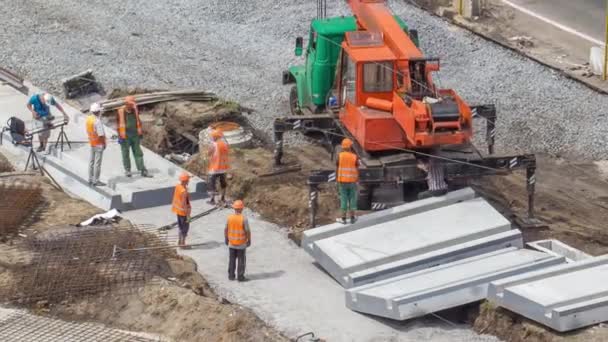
347	168
219	160
94	138
122	122
236	230
181	201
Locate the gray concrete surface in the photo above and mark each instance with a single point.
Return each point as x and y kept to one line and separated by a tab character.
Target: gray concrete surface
446	286
70	167
377	217
287	290
511	238
556	247
564	297
409	236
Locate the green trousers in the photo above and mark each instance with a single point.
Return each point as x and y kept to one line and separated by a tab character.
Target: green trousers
348	196
133	143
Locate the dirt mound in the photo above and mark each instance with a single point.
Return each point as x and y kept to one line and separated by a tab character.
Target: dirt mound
282	198
571	201
184	310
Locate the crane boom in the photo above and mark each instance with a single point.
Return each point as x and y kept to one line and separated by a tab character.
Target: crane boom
375	16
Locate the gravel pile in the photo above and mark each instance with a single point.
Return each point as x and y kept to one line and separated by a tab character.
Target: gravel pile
239	48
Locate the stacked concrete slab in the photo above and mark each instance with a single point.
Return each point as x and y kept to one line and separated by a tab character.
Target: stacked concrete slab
70	166
449	285
423	256
563	297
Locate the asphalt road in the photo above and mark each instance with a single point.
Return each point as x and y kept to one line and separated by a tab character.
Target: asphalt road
584	16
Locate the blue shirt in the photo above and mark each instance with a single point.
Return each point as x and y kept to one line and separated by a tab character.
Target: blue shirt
40	108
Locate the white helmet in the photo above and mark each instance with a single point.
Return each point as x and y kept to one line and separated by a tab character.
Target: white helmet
95	108
48	98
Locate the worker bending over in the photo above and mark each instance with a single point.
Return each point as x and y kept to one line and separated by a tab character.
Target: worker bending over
97	140
40	106
130	134
237	236
182	208
435	177
347	178
218	165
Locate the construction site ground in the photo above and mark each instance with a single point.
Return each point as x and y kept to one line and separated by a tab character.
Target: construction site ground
182	307
572	194
573	211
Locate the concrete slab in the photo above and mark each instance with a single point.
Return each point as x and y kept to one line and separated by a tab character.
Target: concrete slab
378	217
556	247
70	167
564	298
511	238
407	237
286	289
443	287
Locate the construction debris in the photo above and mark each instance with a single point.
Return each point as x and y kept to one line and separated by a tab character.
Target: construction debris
17	202
109	217
164	96
80	262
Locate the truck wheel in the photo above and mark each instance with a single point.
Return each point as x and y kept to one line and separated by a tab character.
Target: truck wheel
293	101
364	197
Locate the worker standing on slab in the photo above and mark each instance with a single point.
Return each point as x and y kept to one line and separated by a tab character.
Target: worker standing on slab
40	106
218	165
435	177
130	134
237	236
347	176
97	140
182	208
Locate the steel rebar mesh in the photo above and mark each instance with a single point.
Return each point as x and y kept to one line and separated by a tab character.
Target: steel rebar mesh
18	200
87	261
18	326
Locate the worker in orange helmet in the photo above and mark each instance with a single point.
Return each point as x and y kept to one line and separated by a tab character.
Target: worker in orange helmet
347	176
181	207
218	165
237	236
130	134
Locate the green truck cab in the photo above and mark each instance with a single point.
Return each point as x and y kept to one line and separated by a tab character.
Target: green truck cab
314	80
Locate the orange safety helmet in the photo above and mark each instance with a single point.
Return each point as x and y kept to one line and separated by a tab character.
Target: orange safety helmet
238	204
216	134
347	143
184	176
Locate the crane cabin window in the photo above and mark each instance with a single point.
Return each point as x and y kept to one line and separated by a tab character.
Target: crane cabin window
377	77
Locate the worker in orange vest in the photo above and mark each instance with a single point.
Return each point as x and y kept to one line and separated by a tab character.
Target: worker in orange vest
97	140
130	134
237	237
181	207
218	165
347	176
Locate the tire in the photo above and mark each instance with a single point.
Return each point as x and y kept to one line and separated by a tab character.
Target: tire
293	101
364	197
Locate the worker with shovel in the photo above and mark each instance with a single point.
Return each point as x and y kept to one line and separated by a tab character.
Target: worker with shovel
347	176
130	134
237	237
182	208
218	165
97	140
